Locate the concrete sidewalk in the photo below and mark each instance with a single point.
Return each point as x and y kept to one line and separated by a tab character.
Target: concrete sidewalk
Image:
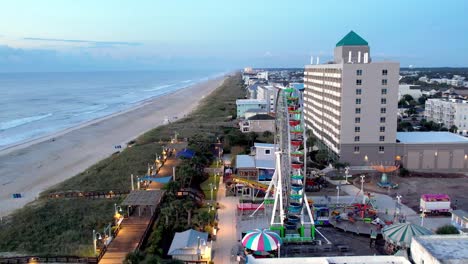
226	237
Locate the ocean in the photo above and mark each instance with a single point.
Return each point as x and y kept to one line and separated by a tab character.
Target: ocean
33	105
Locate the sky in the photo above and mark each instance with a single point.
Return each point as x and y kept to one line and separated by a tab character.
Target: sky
69	35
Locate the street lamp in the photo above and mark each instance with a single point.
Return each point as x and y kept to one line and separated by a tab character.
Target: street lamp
211	191
338	193
398	205
96	236
422	218
362	188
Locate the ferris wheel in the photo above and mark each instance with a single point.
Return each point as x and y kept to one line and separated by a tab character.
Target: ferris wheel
291	212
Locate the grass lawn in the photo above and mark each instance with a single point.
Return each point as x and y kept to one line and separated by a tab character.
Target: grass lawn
65	227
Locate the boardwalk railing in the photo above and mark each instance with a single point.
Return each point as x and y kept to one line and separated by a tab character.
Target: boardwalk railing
88	194
49	259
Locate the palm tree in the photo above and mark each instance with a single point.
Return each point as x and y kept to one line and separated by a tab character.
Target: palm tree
166	212
189	206
172	188
202	219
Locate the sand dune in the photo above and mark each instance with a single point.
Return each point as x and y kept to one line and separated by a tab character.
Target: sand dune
32	167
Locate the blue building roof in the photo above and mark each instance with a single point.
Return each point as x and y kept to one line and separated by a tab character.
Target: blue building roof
264	145
430	137
186	243
265	164
186	153
245	161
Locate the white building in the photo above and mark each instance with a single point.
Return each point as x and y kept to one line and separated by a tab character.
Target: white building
351	104
268	93
409	89
460	220
440	249
448	112
243	105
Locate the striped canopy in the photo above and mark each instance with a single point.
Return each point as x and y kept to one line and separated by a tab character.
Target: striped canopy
261	240
401	234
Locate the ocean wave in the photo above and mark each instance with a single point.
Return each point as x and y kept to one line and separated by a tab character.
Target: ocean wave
22	121
159	87
186	81
93	109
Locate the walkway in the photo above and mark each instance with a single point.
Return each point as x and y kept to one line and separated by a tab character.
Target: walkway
226	238
132	229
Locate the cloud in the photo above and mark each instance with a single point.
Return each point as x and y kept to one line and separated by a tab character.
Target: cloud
94	43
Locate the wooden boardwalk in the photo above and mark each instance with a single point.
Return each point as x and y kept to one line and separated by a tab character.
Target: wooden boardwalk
130	234
134	229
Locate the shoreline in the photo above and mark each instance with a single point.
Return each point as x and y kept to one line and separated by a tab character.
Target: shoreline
34	166
30	142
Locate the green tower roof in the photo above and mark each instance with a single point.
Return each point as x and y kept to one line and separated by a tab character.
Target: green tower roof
352	39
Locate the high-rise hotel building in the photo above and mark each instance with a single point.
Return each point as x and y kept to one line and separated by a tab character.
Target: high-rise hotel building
351	103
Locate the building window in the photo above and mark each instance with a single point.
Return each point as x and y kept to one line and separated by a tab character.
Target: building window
383	110
381	149
384	81
384	90
358	82
382	138
384	72
383	101
357	139
358	100
357	120
267	152
358	110
359	72
382	129
382	120
356	149
358	91
357	129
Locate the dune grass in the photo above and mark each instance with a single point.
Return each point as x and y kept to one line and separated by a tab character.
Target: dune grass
64	227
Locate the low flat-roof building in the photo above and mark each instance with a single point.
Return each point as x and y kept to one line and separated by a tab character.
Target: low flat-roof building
442	151
421	151
246	104
440	249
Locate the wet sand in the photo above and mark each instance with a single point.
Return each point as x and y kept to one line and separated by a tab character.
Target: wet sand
34	166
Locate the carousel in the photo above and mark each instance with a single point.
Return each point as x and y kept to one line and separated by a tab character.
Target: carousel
398	236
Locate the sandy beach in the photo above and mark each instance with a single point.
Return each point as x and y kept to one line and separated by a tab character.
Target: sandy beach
32	167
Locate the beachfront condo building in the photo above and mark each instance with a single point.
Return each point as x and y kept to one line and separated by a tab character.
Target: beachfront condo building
350	103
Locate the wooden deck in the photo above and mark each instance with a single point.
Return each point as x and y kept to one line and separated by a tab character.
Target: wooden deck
130	234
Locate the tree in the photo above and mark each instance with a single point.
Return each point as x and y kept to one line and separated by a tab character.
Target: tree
202	219
453	129
422	100
408	97
172	188
447	230
267	134
166	212
189	206
252	137
322	156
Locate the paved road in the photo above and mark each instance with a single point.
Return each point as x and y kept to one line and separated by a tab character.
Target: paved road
226	238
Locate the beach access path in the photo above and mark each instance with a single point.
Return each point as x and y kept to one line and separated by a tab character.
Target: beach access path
33	167
226	237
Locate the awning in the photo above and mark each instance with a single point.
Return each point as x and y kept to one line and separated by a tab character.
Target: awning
160	179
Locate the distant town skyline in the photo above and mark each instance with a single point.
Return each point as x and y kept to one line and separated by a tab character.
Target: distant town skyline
53	35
